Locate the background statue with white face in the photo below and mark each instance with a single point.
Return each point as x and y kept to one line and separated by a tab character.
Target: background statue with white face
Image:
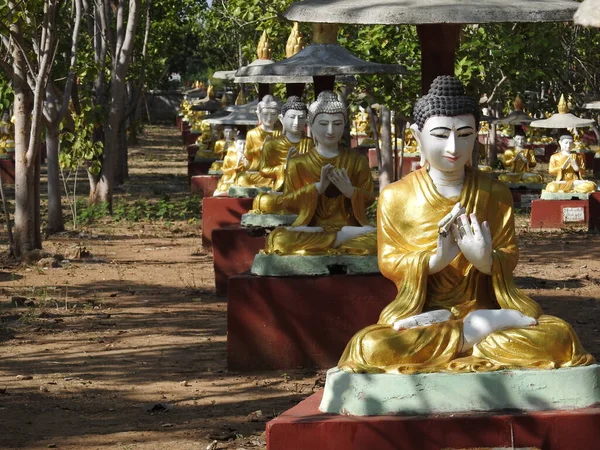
568	169
519	161
446	238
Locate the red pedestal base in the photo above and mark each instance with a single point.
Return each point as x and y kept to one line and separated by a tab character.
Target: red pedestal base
278	323
233	253
220	212
190	138
199	168
204	184
7	171
304	427
522	198
178	120
595	211
191	149
546	214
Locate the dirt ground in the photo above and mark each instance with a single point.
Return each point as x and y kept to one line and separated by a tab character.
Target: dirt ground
126	349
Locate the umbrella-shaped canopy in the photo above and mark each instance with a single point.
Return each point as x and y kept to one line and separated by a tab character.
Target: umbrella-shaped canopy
239	115
208	103
224	75
514	118
592	105
588	14
563	119
389	12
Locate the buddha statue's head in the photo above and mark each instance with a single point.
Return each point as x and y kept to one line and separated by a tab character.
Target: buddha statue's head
566	143
446	125
228	133
327	117
520	140
293	116
267	111
240	142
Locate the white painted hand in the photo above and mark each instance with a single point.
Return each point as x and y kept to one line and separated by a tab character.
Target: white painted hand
475	242
340	178
447	249
323	183
574	164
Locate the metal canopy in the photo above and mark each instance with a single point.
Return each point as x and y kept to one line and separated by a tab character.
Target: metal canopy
516	117
239	115
320	60
588	14
592	105
224	75
566	120
392	12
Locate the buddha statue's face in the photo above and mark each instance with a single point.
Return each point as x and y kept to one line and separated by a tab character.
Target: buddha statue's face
228	134
520	141
566	143
293	121
240	145
268	117
447	142
327	128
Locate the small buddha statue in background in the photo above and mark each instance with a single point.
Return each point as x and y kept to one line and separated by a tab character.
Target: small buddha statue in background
221	148
267	111
519	160
446	238
277	152
232	164
568	169
206	142
329	188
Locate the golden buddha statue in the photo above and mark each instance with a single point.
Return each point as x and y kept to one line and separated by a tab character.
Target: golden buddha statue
277	152
446	237
206	142
232	164
221	148
329	188
519	160
267	111
568	169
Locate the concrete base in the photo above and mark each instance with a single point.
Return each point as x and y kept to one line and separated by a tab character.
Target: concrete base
298	265
304	427
268	220
233	253
204	184
199	167
220	212
563	196
427	393
246	192
558	214
289	322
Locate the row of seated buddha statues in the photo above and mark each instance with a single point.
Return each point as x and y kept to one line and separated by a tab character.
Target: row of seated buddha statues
445	236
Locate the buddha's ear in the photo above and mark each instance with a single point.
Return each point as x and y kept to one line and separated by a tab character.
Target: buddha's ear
414	128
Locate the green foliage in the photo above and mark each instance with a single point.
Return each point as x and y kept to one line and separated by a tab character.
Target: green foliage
6	94
79	147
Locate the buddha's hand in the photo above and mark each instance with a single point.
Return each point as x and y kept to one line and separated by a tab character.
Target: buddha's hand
567	163
574	165
474	241
341	180
447	249
291	153
323	183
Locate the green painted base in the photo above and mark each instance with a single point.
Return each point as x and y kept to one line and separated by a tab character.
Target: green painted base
298	265
563	196
267	220
434	393
215	172
246	192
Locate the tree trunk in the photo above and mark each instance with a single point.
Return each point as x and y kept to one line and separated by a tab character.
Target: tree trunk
386	167
55	213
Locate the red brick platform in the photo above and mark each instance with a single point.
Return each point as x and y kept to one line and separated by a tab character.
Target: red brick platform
233	253
304	427
204	184
199	167
220	212
595	211
190	137
278	323
550	214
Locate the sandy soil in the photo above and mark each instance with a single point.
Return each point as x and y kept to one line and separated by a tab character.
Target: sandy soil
126	349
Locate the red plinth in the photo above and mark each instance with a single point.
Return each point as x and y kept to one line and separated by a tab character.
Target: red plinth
7	171
204	184
190	137
548	214
522	198
191	149
199	167
178	120
596	167
278	323
595	211
233	253
304	427
220	212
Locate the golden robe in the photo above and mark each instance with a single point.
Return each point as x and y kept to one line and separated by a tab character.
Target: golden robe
330	210
232	163
255	139
274	156
568	175
519	169
221	147
408	213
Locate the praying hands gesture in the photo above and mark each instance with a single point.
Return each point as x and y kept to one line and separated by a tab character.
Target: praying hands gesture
324	182
474	241
341	180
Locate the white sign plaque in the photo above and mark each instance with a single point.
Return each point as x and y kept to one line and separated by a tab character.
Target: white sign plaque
573	215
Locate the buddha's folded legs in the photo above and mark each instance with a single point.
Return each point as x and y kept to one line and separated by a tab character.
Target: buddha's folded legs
269	203
290	241
252	179
364	243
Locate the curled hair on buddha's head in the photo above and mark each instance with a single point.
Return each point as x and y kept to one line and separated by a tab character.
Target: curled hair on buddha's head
326	102
268	101
446	97
294	103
